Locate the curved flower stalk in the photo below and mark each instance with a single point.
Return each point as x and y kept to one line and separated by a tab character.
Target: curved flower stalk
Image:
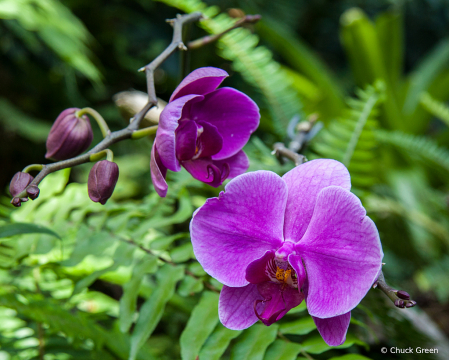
274	242
204	130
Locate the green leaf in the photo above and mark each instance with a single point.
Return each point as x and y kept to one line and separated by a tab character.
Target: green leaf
435	107
283	350
425	73
189	285
131	290
298	327
153	308
316	344
201	323
254	342
217	343
25	228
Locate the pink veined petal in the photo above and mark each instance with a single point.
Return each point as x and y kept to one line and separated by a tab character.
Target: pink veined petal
277	301
186	136
304	183
200	81
234	114
333	330
341	251
158	172
168	123
236	306
245	221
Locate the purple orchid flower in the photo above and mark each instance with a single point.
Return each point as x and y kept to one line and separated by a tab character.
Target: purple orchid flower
204	130
274	242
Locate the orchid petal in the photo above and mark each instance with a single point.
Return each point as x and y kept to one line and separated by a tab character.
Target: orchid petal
158	172
256	271
186	136
341	251
210	141
200	81
304	184
227	234
234	114
277	300
236	306
168	123
333	330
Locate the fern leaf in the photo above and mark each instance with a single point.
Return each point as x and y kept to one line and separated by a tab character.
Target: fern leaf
435	107
255	63
350	138
420	146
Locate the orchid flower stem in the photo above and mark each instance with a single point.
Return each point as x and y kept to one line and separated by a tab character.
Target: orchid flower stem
101	154
282	152
33	167
148	251
248	19
98	118
138	134
399	302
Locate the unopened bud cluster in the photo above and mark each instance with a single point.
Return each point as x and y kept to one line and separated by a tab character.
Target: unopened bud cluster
70	135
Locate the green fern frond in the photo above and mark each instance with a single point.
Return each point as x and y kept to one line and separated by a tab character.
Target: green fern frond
350	138
254	62
435	107
420	146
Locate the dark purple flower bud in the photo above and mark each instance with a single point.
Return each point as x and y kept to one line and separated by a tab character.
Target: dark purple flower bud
33	192
403	295
19	182
16	202
69	136
102	179
410	303
399	303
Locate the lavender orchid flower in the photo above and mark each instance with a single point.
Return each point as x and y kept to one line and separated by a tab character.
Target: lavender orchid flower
274	242
204	130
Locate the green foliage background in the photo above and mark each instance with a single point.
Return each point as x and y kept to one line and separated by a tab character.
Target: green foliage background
79	280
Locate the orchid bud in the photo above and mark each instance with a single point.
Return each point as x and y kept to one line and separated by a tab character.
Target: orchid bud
102	179
33	192
19	182
69	136
403	295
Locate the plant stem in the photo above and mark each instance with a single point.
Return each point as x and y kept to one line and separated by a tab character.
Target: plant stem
101	154
34	167
98	118
382	285
248	19
138	134
281	151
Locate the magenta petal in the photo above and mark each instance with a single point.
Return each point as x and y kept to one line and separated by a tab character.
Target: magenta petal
186	136
236	306
227	234
341	251
277	301
255	272
210	141
333	330
304	184
207	170
158	173
238	164
168	123
234	114
200	81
